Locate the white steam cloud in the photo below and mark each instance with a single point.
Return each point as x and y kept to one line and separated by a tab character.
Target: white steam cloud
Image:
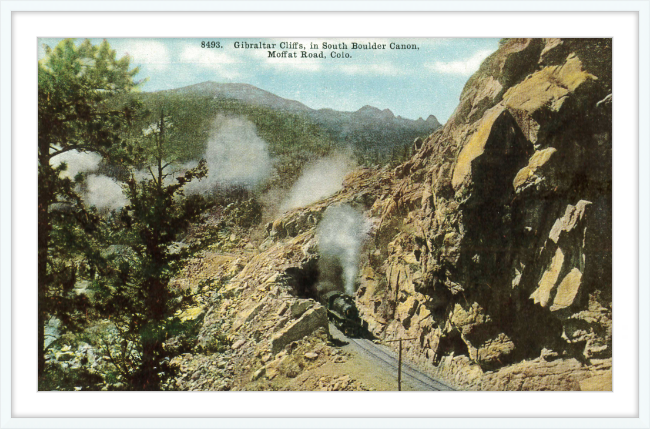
77	162
104	192
235	155
318	180
101	191
341	234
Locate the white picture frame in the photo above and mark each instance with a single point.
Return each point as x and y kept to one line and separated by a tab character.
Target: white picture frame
18	192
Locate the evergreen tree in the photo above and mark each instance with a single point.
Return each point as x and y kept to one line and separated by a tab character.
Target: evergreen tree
75	87
134	292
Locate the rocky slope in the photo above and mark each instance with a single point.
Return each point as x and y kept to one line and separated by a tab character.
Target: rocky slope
264	329
491	245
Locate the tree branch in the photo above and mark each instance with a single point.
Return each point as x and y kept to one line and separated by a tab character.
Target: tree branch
69	148
95	114
124	370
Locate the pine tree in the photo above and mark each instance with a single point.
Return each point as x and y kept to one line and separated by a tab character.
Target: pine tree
75	86
136	293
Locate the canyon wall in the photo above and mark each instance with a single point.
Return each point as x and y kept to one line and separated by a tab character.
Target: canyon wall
494	248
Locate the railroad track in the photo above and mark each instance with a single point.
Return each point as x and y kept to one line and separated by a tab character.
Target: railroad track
416	377
383	358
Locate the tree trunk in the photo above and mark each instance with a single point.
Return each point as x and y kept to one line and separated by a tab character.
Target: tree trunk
41	333
147	378
44	227
43	244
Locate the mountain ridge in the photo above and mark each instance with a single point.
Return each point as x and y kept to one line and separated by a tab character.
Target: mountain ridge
252	94
369	131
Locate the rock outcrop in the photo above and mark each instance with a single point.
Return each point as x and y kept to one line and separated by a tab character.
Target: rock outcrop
494	248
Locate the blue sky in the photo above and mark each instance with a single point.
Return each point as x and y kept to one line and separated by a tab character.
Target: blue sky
412	83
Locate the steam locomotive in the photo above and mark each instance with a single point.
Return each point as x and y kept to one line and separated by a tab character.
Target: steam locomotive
343	313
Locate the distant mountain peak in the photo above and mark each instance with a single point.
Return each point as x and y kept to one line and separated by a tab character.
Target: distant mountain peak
243	92
368	108
371	111
433	121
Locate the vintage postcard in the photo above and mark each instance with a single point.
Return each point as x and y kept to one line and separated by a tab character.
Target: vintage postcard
325	214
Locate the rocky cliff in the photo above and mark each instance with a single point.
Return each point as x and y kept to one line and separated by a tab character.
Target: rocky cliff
495	241
491	245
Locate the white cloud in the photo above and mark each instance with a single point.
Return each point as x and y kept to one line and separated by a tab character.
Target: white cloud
434	42
287	64
153	54
213	59
300	64
205	57
463	67
370	69
313	65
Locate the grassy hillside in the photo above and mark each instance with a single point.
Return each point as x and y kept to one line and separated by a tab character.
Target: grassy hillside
194	115
294	137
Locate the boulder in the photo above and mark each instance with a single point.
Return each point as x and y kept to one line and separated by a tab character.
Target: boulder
417	144
238	344
464	319
308	323
406	310
311	355
258	374
492	351
299	307
248	315
52	332
549	87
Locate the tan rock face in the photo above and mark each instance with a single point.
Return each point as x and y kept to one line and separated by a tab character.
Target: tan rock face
548	87
542	294
567	290
476	145
267	306
530	175
568	222
506	251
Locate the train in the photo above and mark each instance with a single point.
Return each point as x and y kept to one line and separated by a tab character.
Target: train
343	312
